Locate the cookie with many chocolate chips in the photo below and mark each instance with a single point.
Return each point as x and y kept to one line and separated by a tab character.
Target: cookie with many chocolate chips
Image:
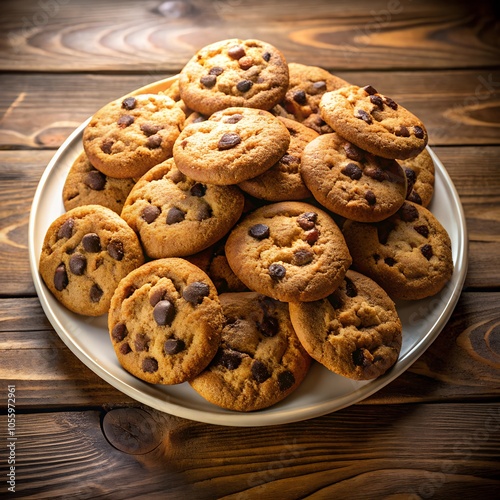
234	72
373	122
85	254
85	185
233	145
283	180
260	360
176	216
291	251
420	173
355	332
127	137
408	254
350	181
165	321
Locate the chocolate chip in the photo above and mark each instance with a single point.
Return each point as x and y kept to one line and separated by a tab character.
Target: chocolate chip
77	264
163	312
411	177
370	197
363	115
198	190
408	213
288	159
350	288
415	197
286	380
244	85
156	295
300	97
106	146
125	349
95	293
91	243
245	62
370	90
125	121
358	358
95	180
204	212
174	346
259	231
208	81
154	141
216	70
141	342
115	249
376	173
377	100
352	171
427	251
129	291
266	56
60	278
129	103
66	230
418	131
150	129
260	371
335	300
392	104
277	271
312	236
150	213
195	292
175	215
319	86
302	256
149	365
402	131
389	261
269	326
119	332
228	358
307	220
236	51
352	152
228	140
233	118
383	231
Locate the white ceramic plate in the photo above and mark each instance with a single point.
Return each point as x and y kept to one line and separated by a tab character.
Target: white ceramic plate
322	391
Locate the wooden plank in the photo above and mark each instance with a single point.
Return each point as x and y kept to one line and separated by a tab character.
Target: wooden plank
461	364
68	36
393	451
458	107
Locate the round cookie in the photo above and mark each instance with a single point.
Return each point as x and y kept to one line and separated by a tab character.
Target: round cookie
373	122
419	172
408	254
176	216
290	251
127	137
234	72
306	86
85	185
283	180
165	321
351	182
233	145
260	360
85	254
354	332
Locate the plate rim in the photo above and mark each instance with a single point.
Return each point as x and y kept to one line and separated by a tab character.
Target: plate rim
252	419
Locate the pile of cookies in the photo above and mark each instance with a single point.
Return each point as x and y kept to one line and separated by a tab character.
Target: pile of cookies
254	216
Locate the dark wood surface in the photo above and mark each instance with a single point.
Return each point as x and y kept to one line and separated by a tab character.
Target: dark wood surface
434	432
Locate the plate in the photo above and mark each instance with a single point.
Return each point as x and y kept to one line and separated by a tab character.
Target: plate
321	392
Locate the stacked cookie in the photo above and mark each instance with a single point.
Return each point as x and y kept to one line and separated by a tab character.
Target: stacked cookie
251	218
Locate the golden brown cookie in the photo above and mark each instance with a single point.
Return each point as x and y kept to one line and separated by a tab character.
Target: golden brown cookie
85	254
260	360
165	321
291	251
355	332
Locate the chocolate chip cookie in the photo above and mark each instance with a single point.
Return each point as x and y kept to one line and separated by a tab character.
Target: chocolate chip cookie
290	251
419	172
260	360
350	181
234	72
128	136
355	332
176	216
233	145
165	321
374	122
85	254
408	254
283	180
85	185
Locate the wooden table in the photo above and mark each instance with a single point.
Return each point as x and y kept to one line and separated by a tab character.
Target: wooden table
434	432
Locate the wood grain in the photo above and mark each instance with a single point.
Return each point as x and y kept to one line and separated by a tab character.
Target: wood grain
47	36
